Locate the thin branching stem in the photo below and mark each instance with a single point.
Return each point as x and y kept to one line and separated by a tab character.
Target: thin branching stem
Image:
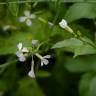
14	2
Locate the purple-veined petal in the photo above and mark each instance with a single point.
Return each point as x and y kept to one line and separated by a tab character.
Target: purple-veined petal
22	58
22	19
28	22
45	61
34	42
63	23
27	13
47	56
25	49
18	54
31	74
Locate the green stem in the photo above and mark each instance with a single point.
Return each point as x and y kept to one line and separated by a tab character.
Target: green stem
14	2
42	20
80	38
38	55
32	64
6	64
87	42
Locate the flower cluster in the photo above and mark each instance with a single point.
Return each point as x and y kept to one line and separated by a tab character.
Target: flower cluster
23	52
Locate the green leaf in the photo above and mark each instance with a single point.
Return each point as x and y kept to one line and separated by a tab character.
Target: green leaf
8	45
81	10
77	46
84	86
82	64
72	43
88	47
3	86
88	85
93	87
87	40
84	50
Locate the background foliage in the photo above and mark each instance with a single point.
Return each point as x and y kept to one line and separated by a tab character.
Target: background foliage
72	68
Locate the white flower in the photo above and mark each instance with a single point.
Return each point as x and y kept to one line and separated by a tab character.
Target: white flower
31	74
34	42
20	56
21	51
63	23
6	27
44	60
27	18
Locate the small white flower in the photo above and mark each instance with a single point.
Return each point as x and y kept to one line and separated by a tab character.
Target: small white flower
21	48
22	19
21	56
21	51
6	27
31	74
27	18
28	22
34	42
44	60
63	23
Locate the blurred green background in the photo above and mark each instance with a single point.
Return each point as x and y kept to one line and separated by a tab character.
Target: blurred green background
65	75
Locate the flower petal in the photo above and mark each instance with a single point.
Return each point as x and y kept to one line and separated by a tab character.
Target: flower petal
42	63
25	49
31	74
45	61
63	23
47	56
27	13
5	28
28	22
22	19
19	46
34	42
22	59
18	54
